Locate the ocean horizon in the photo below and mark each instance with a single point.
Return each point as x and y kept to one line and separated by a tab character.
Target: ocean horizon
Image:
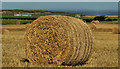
86	8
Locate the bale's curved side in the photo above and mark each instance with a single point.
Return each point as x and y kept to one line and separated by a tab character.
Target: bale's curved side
57	39
83	43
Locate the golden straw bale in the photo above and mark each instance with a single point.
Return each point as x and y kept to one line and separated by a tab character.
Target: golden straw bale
95	22
116	30
55	39
18	23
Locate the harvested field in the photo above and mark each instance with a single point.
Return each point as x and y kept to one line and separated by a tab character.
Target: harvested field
13	26
92	26
105	46
103	29
16	29
106	25
116	30
4	31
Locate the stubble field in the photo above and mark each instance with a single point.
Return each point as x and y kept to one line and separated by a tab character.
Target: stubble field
104	54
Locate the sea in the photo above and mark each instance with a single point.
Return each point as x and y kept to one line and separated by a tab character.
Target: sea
86	8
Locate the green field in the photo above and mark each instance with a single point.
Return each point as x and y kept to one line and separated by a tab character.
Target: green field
13	21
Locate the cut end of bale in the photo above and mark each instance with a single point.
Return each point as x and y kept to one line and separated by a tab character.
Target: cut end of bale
54	39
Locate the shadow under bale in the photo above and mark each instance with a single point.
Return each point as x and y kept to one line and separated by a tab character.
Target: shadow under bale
54	39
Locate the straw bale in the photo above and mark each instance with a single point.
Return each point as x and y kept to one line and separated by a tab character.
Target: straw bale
55	39
95	22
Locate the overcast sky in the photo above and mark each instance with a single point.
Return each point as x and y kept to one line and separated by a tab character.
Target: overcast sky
59	0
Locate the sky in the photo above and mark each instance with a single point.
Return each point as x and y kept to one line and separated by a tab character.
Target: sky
60	0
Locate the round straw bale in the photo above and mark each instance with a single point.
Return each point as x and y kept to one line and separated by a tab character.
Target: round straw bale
95	22
18	23
56	39
116	30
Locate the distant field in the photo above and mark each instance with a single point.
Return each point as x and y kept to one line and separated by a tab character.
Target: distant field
34	17
27	19
13	21
109	22
105	49
95	16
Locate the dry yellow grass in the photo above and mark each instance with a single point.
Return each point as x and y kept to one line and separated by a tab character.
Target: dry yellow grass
116	30
110	26
15	29
13	26
103	30
104	27
4	31
92	26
